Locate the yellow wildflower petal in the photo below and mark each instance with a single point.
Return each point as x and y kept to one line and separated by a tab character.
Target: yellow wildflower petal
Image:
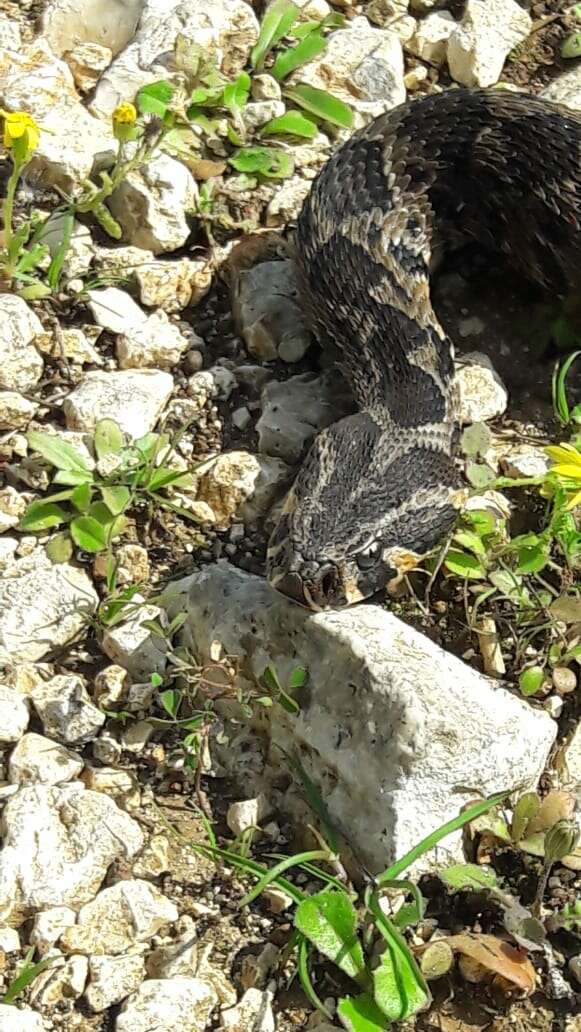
564	453
574	501
565	469
20	126
125	114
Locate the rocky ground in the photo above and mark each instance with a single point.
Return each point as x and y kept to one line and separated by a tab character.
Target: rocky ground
132	688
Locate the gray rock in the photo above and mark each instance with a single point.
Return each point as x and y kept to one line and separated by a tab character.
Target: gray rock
382	727
38	759
42	606
58	844
295	410
133	646
268	314
21	366
168	1004
66	711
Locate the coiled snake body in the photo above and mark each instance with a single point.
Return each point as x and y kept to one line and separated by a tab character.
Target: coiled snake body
379	489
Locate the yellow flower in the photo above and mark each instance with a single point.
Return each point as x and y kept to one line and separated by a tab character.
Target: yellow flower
124	118
567	463
21	133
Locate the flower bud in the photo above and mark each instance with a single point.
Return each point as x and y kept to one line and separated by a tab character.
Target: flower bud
21	134
560	840
123	120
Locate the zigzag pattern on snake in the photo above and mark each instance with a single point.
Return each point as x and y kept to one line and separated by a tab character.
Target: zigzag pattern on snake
380	488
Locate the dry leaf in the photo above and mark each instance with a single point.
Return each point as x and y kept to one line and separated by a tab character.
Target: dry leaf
497	956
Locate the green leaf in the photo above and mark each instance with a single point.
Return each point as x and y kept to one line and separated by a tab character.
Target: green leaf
156	680
274	164
292	123
59	453
468	539
278	19
464	565
236	93
155	98
571	47
60	548
479	475
361	1014
72	478
42	515
164	477
26	974
81	497
306	50
468	876
170	701
400	989
475	440
533	558
321	104
329	920
89	534
116	498
56	266
298	678
108	438
531	681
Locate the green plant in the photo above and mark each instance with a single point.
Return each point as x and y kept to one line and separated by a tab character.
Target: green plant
563	412
26	975
352	929
97	496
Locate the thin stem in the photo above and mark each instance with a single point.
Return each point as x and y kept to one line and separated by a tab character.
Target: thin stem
8	206
541	888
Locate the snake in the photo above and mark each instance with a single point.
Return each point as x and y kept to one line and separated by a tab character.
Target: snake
381	488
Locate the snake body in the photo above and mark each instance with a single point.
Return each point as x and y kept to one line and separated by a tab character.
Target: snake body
380	488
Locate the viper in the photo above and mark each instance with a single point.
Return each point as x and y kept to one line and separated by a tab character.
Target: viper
381	488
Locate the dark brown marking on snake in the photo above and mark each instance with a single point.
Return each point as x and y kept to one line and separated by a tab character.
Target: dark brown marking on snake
499	167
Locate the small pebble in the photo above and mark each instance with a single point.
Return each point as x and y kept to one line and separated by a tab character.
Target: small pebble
241	418
193	362
553	706
564	680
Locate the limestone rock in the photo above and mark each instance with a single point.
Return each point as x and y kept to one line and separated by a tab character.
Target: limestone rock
227	29
240	484
129	912
134	398
64	979
21	366
382	728
112	979
66	711
20	1020
133	646
14	715
173	285
15	410
12	507
67	24
254	1011
79	254
156	343
431	37
50	925
482	394
10	38
87	62
42	606
362	66
168	1004
58	844
150	204
38	759
294	411
72	141
268	313
565	89
481	42
115	310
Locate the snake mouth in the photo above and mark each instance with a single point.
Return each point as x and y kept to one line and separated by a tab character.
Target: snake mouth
314	587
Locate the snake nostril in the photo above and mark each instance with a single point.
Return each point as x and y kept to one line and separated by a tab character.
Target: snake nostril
328	582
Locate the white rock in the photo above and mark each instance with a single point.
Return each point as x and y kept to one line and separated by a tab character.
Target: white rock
525	461
134	647
294	411
258	113
482	394
115	310
12	507
572	763
67	23
155	859
14	715
385	12
240	484
253	1012
150	204
14	1019
177	958
112	979
565	89
74	343
87	62
49	926
9	940
248	813
8	546
15	411
481	42
132	564
58	844
383	732
21	366
228	29
268	314
156	343
172	285
10	38
134	398
121	785
66	711
42	606
64	979
129	912
362	66
265	87
168	1004
287	201
431	36
71	140
38	759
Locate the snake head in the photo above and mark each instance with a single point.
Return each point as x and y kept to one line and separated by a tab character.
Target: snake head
367	504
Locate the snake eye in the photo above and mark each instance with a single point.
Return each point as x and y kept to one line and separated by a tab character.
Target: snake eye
367	560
